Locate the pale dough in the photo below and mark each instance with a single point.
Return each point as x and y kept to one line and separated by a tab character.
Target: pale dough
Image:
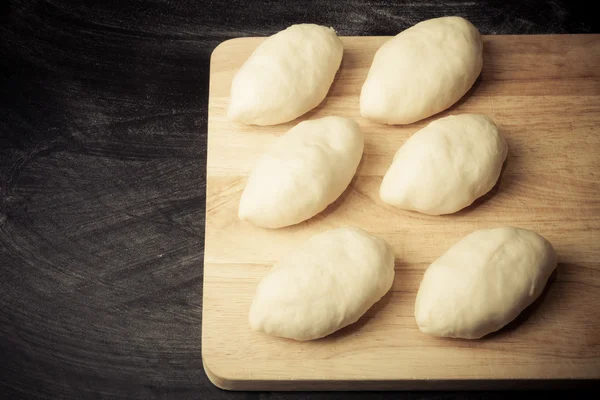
422	71
483	282
445	166
287	75
306	169
329	282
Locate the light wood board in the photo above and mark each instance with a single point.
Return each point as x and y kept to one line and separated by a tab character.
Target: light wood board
544	94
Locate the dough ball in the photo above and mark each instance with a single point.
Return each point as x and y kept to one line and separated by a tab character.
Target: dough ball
329	282
422	71
483	282
286	76
306	169
445	166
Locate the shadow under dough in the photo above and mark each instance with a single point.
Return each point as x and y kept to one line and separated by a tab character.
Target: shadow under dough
527	312
362	321
501	181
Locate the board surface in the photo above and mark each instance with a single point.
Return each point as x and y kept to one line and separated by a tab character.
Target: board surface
544	94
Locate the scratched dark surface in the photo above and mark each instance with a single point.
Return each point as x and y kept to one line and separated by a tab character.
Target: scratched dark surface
103	109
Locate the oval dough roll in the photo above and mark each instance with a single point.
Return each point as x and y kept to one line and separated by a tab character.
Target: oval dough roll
286	76
422	71
483	282
329	282
303	172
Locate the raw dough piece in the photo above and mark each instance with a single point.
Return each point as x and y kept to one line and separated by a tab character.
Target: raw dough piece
306	169
483	282
329	282
422	71
445	166
286	76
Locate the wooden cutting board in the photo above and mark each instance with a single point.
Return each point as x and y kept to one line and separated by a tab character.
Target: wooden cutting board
544	94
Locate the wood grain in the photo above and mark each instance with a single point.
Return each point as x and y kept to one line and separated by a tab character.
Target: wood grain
544	94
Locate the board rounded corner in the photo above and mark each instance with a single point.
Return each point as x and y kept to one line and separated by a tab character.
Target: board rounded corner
224	46
219	380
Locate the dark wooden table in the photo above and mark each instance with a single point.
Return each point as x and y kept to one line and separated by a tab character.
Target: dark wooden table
103	109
